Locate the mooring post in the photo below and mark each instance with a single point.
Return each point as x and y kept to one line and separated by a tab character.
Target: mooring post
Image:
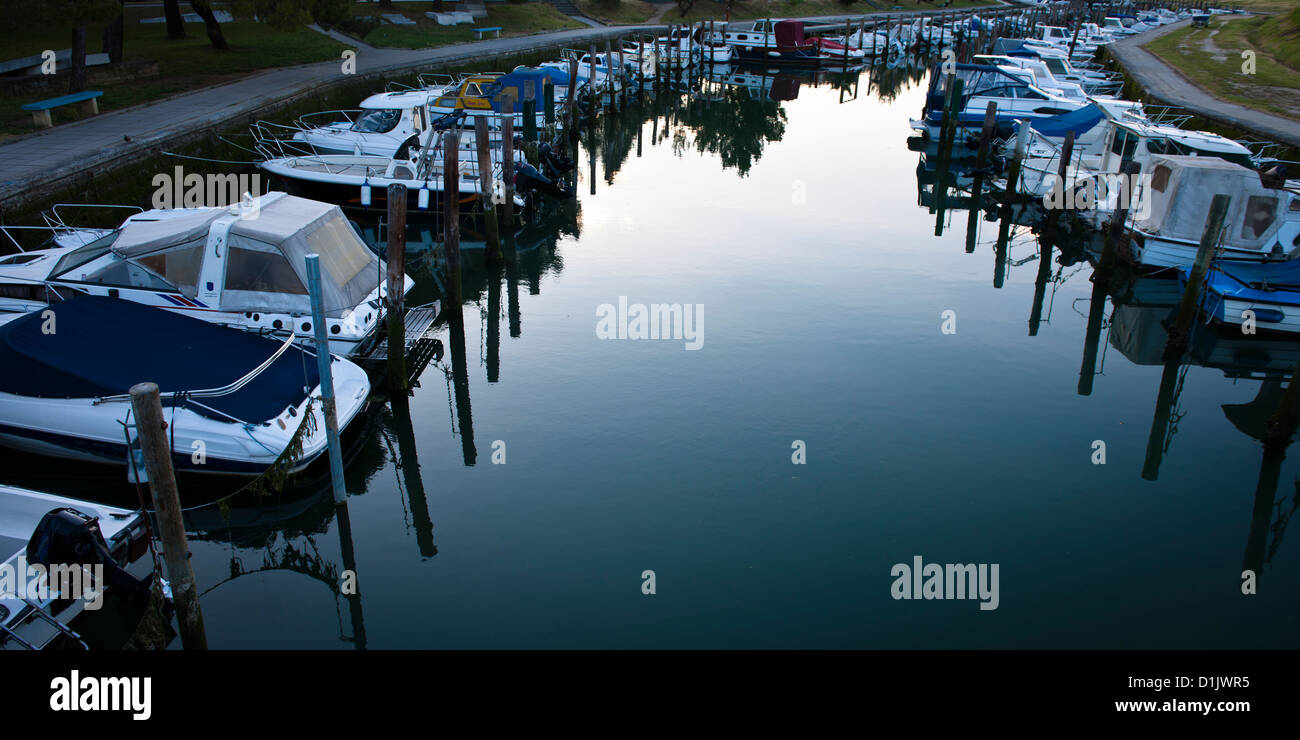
530	111
548	101
484	153
451	215
508	161
1190	304
152	428
1115	230
572	98
1062	173
324	369
591	65
1075	38
395	294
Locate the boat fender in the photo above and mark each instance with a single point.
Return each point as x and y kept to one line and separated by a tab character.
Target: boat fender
423	198
365	194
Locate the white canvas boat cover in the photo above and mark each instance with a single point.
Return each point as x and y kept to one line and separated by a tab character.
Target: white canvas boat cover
155	231
266	265
1182	189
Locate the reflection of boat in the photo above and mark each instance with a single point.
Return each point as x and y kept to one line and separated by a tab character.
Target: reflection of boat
47	530
241	266
783	42
236	410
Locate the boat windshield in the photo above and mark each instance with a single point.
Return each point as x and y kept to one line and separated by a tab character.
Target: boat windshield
82	255
379	121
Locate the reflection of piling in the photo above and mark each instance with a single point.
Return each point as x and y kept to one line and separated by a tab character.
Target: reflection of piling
1190	304
1096	310
1156	441
156	448
350	563
1040	285
1282	424
395	294
490	224
981	162
409	464
460	384
494	327
1261	515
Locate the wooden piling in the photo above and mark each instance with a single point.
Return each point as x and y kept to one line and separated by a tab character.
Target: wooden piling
1190	304
451	216
484	152
530	111
156	448
981	162
508	162
395	295
1062	172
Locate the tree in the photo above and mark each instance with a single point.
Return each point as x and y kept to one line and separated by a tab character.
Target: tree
113	33
175	24
210	24
684	6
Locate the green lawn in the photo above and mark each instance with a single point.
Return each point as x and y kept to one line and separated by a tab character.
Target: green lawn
620	12
183	65
752	9
515	20
1212	58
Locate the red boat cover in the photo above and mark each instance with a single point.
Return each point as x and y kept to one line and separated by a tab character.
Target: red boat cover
790	33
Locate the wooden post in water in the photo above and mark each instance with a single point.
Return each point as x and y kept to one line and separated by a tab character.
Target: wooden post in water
570	104
152	429
591	65
1191	301
548	101
530	111
323	367
1113	234
484	153
1062	173
508	162
451	214
395	293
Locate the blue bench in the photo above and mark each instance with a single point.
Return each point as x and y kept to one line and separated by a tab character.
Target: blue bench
41	109
481	31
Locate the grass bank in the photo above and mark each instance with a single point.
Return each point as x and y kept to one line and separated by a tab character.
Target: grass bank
183	65
514	20
1213	59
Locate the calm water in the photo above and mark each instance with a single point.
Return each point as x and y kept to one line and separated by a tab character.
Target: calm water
797	227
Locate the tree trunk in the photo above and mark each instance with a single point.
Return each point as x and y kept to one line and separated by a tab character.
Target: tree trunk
77	81
175	25
113	32
204	10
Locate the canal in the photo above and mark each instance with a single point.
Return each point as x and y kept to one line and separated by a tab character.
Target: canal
931	397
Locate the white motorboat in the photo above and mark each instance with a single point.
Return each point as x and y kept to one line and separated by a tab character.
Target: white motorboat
240	266
234	401
41	532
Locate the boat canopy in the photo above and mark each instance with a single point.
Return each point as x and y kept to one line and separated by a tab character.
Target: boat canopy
512	84
790	33
1181	189
1079	121
265	267
980	79
103	346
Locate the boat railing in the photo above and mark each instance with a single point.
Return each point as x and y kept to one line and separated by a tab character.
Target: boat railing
347	113
275	140
435	79
56	218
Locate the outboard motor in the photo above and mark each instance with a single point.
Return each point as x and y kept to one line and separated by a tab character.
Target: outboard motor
529	180
66	536
555	164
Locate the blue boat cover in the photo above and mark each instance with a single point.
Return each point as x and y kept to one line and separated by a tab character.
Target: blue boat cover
522	75
1078	121
102	346
1267	282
